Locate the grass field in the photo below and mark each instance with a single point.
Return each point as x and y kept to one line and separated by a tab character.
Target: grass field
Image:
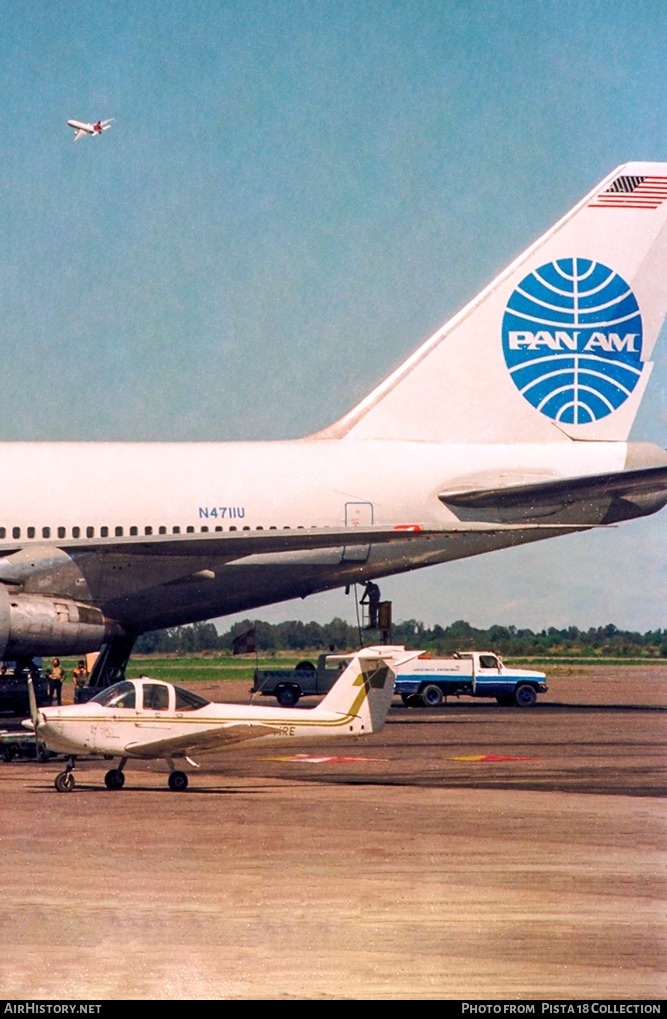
196	669
214	669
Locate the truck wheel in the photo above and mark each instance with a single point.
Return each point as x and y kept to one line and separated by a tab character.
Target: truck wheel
525	696
431	696
287	697
506	700
406	698
305	667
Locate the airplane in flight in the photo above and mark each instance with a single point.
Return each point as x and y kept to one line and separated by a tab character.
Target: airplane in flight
148	719
81	129
510	425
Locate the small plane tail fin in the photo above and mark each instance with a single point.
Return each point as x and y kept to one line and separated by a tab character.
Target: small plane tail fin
557	346
366	687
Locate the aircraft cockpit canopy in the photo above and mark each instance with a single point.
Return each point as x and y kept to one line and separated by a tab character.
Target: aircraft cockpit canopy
120	695
149	695
186	700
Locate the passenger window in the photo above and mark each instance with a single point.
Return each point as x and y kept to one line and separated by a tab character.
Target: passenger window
31	532
16	532
61	532
118	531
46	532
90	532
104	532
188	701
76	532
134	530
156	698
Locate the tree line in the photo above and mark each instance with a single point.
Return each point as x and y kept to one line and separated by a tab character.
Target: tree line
311	637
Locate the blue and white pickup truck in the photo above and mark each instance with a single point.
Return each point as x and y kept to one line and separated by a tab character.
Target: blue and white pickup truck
427	681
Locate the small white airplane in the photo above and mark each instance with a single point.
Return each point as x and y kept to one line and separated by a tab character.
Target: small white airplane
149	719
81	129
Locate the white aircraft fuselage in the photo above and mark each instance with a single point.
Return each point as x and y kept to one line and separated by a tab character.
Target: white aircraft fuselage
104	498
82	128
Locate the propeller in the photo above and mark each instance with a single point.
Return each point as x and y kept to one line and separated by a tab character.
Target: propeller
32	700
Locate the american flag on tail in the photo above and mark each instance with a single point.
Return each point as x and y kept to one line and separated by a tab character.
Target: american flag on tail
634	192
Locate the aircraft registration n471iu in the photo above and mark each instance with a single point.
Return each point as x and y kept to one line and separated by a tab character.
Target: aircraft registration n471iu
147	719
511	424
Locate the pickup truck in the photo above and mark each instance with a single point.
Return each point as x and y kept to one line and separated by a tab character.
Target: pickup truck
427	681
14	692
288	685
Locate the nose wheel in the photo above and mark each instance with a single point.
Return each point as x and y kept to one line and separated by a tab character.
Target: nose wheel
65	782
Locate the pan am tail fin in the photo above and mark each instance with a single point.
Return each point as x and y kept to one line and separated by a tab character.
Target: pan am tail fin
558	345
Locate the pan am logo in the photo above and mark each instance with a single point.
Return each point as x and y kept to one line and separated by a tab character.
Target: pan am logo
572	340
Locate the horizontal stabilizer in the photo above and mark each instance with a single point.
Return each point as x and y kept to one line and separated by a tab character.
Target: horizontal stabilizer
552	495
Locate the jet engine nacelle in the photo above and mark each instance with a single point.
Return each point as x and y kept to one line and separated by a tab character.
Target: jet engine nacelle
34	624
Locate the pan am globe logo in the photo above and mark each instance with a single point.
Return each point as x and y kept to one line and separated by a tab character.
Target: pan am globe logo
572	340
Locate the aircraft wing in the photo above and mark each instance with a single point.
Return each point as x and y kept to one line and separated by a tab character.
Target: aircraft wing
79	134
218	737
232	545
551	495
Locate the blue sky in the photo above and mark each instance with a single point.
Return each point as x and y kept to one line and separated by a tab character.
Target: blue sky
293	196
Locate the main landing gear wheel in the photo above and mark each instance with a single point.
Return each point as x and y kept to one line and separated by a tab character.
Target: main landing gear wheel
114	779
65	782
178	781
